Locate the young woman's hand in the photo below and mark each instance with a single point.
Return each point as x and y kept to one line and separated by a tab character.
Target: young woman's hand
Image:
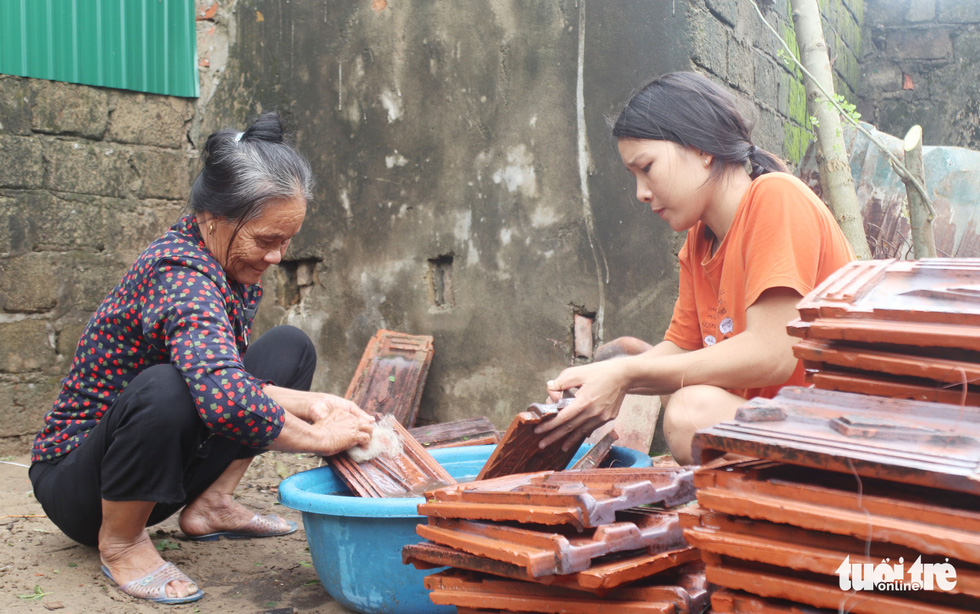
601	388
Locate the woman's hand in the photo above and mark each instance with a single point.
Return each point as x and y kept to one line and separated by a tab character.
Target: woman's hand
342	425
309	406
322	405
319	423
601	388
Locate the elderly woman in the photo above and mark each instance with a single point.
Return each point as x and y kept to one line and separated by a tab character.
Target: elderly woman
167	401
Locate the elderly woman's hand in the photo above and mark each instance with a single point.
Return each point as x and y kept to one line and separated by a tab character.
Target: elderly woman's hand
320	423
342	424
322	406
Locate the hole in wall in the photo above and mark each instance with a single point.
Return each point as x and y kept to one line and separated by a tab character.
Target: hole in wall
295	280
583	334
440	281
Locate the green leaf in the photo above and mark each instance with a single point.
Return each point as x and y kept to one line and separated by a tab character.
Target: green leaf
37	595
167	544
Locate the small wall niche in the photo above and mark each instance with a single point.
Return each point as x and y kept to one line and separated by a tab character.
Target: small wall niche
583	335
440	282
295	280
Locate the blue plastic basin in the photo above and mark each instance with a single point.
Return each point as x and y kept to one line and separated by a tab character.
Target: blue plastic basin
356	543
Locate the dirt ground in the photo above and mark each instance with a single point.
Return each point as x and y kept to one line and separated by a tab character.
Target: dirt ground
42	570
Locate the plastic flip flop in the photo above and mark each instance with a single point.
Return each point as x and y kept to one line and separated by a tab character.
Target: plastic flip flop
258	526
153	587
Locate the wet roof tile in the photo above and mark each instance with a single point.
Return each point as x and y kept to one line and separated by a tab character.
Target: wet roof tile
519	452
472	590
894	387
409	474
927	335
727	601
925	520
793	548
936	290
604	574
927	303
823	355
825	592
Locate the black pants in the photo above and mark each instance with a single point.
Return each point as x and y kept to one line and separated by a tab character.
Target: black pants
151	444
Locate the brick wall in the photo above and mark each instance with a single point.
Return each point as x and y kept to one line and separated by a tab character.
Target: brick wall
732	43
88	177
921	65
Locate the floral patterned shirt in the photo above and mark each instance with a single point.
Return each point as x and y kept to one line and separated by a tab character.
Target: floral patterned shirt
175	305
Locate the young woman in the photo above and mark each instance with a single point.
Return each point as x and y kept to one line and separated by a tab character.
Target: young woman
758	239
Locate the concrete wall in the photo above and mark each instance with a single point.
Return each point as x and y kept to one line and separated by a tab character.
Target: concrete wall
469	188
921	65
463	143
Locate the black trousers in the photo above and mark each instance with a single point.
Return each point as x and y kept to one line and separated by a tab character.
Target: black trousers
151	444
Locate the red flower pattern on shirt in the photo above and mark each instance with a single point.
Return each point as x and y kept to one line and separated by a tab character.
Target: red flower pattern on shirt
175	305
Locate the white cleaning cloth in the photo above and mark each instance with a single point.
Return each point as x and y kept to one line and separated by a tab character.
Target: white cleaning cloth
384	442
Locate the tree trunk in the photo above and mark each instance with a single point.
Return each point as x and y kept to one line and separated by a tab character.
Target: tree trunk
835	172
923	238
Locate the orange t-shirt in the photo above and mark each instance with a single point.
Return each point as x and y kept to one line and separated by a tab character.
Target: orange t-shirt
782	236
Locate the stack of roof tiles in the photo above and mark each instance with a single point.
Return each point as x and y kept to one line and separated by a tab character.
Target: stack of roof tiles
850	502
562	541
901	329
528	537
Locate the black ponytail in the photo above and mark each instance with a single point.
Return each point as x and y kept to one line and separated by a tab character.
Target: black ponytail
691	110
269	128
